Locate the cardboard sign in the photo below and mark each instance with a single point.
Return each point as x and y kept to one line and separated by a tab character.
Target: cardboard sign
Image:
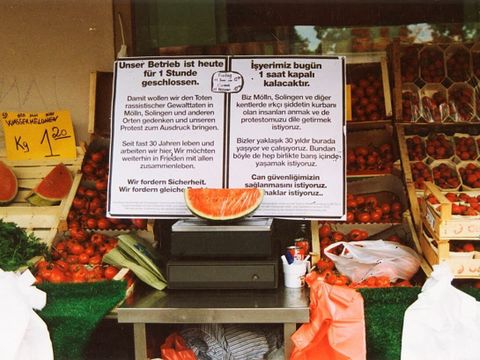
30	136
276	123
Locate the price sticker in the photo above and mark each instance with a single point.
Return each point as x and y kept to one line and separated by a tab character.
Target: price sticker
30	136
430	218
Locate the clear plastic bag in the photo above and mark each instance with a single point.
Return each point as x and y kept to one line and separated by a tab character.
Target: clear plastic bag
361	259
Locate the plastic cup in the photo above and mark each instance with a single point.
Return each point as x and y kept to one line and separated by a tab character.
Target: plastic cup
294	274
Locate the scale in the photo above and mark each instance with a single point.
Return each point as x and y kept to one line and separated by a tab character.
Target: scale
240	255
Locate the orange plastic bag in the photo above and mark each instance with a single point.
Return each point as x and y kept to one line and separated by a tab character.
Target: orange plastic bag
336	330
174	348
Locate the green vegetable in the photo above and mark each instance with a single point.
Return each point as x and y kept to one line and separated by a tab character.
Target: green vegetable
17	247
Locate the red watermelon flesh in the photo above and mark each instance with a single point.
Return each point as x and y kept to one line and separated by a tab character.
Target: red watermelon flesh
56	184
223	204
8	184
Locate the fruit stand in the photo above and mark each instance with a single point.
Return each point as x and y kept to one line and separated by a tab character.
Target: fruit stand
412	171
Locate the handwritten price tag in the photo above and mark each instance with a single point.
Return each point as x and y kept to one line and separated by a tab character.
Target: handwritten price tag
30	136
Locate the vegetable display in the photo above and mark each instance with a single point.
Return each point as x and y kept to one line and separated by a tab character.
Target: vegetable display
17	247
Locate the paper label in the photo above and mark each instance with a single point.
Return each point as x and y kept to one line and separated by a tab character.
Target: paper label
30	136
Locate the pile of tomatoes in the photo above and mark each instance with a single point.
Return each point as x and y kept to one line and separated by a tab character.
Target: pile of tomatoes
369	209
462	203
89	205
327	271
370	158
78	258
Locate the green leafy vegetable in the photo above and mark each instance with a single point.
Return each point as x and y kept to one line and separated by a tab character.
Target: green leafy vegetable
17	247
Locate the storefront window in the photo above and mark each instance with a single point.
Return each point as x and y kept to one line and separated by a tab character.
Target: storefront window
165	27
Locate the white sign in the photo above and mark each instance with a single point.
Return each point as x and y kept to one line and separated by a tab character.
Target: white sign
276	123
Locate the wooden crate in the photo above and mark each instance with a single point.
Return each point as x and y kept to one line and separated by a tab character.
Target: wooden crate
375	137
442	224
43	221
462	265
369	60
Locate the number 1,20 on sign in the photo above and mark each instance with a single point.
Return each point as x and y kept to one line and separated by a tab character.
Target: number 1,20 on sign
56	134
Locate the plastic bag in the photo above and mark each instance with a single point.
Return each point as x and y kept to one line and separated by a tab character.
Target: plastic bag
336	330
443	323
174	348
25	335
362	259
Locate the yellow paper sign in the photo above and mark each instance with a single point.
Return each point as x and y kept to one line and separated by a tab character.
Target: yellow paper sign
31	136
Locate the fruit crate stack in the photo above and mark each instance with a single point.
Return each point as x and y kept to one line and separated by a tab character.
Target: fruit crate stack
436	83
449	161
43	221
451	230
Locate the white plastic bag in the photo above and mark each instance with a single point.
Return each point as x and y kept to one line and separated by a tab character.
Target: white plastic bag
443	323
24	334
362	259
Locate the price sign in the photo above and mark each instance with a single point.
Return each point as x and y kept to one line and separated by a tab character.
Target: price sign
31	136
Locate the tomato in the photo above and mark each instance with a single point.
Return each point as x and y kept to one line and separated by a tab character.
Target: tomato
140	223
97	156
95	204
394	238
341	280
95	260
103	224
396	206
91	193
79	276
92	223
370	281
403	283
354	234
61	264
383	281
351	204
79	234
360	200
110	272
97	239
42	264
101	185
324	264
468	247
45	274
57	276
84	258
331	279
371	200
385	207
350	216
337	236
325	241
363	217
79	202
72	259
89	250
375	216
325	230
76	249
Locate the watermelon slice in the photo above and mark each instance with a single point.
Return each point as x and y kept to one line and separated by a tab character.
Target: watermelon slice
223	204
54	187
8	184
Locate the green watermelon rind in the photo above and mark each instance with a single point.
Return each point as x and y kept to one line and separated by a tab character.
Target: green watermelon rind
251	209
6	201
37	191
37	200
